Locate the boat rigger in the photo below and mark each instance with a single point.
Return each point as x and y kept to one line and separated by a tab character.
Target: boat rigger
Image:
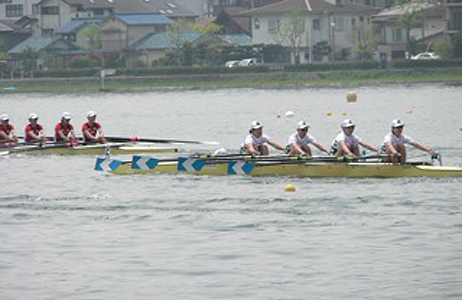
321	167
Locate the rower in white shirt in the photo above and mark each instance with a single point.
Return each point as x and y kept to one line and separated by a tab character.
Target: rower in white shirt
298	142
257	142
394	143
347	143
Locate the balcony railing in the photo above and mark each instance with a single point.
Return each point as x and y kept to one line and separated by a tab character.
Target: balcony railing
454	2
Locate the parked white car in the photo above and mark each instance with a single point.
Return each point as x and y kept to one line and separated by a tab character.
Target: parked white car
247	62
232	63
425	56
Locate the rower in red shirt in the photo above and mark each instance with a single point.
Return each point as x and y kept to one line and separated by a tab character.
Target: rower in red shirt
34	131
64	131
7	132
93	131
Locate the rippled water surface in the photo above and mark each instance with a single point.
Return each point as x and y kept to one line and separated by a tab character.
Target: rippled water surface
68	232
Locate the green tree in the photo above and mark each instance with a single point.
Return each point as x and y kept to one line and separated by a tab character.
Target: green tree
410	14
93	34
365	40
321	50
290	32
445	49
29	58
176	37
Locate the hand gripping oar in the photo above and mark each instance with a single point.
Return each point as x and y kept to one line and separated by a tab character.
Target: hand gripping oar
149	140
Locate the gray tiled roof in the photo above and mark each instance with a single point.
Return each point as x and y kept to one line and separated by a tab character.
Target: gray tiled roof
167	7
76	24
289	6
160	41
37	43
92	3
5	28
143	18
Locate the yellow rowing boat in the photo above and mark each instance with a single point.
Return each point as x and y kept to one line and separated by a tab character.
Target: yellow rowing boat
98	149
307	169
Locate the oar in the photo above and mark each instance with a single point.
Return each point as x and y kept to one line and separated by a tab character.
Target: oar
149	140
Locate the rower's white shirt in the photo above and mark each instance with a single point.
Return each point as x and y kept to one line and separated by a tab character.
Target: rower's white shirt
397	141
301	142
348	140
252	140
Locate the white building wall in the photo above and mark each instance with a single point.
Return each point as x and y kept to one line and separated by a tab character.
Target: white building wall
54	21
335	31
26	4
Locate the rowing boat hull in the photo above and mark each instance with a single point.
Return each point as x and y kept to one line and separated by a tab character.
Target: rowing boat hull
356	170
95	150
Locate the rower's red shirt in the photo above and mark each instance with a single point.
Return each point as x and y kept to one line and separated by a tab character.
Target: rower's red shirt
65	130
6	130
35	131
92	128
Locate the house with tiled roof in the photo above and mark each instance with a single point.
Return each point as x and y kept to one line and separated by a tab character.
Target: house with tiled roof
322	22
232	22
427	30
122	29
54	14
62	50
74	31
154	46
13	32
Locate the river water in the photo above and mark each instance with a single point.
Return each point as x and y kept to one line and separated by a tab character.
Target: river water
68	232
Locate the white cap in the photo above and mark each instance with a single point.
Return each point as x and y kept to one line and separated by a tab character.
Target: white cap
4	117
220	152
347	123
257	125
397	123
91	114
33	116
302	125
66	116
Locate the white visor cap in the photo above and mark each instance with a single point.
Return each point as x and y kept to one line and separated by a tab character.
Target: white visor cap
91	114
347	123
4	117
66	116
397	123
33	117
302	125
257	125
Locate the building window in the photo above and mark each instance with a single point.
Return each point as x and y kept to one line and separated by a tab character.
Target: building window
457	20
339	23
353	22
98	12
273	25
5	1
317	24
50	10
396	35
256	23
14	10
47	32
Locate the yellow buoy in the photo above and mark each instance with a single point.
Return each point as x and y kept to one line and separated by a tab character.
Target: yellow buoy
344	113
351	97
290	188
329	113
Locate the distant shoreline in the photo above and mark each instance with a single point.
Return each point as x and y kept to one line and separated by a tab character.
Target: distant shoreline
278	80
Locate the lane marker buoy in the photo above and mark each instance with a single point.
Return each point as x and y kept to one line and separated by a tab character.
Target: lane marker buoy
290	188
